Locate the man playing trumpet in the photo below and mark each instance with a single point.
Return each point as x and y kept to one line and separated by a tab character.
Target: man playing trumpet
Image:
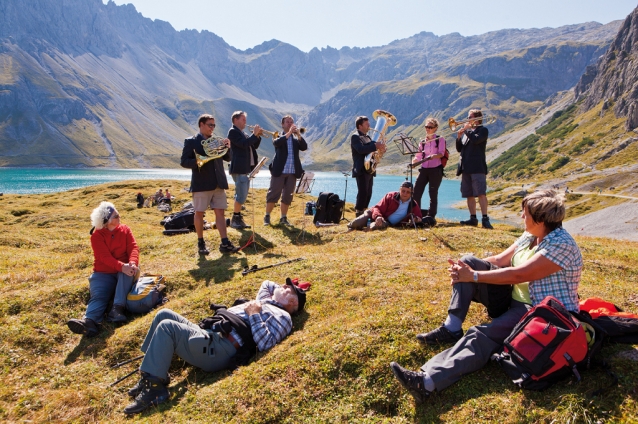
284	169
208	184
471	142
244	152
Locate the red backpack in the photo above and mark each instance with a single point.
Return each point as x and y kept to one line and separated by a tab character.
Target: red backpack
545	346
446	155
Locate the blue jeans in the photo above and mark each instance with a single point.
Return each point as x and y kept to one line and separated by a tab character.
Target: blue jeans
103	288
241	187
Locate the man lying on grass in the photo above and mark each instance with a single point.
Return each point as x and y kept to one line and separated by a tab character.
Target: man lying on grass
544	261
223	341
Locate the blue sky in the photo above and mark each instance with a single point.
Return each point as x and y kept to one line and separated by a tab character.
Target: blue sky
356	23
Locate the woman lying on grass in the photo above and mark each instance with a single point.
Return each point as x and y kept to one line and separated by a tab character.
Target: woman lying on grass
544	261
114	268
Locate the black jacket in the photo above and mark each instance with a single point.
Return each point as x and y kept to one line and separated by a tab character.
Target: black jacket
359	152
472	159
242	148
211	175
281	155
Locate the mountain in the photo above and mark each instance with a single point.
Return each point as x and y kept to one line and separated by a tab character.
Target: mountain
90	84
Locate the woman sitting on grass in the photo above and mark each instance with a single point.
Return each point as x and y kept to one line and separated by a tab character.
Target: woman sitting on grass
114	268
544	261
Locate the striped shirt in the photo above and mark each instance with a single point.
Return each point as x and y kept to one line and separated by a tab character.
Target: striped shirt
560	248
268	327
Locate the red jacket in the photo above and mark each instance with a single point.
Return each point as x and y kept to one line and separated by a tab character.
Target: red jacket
112	249
389	204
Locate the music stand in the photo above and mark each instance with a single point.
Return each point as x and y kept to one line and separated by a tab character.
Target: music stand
407	146
251	178
306	182
345	193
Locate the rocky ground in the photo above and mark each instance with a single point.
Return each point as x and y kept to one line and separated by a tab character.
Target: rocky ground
618	222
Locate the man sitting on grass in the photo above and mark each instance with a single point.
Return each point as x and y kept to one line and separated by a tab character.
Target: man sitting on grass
395	208
228	339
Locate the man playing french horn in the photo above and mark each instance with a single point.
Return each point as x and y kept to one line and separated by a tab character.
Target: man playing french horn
285	169
361	145
208	183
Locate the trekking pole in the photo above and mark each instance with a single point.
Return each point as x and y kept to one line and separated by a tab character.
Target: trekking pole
124	378
256	268
119	364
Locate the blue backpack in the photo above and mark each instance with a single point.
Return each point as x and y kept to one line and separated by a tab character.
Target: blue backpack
146	294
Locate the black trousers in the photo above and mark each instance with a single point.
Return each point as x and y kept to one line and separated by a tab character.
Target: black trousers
364	193
433	177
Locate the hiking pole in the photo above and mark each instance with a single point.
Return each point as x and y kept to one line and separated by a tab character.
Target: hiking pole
124	378
255	268
119	364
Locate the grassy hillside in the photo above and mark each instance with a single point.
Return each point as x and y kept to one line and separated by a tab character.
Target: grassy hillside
372	293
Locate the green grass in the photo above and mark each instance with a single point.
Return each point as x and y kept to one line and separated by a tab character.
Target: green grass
372	293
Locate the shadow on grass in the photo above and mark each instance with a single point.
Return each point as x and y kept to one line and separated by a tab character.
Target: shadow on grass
90	346
217	270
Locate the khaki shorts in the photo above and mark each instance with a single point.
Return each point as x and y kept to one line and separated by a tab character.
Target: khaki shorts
216	199
283	186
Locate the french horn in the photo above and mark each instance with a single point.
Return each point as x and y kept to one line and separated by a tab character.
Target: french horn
214	148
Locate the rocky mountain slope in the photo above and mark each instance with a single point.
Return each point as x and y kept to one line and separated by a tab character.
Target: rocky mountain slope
88	84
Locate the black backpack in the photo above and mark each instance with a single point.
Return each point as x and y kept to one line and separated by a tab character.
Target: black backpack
182	220
329	209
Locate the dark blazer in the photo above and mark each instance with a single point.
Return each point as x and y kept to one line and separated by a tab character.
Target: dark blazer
242	148
473	152
359	152
281	155
211	175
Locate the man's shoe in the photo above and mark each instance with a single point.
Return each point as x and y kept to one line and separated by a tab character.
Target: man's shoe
429	221
284	221
139	386
228	248
412	381
440	335
116	314
485	222
153	393
237	222
266	219
472	221
86	327
202	249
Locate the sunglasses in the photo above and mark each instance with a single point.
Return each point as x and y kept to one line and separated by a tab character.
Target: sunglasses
430	127
211	125
116	216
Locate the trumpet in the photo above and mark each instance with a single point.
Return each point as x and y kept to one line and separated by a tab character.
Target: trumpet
485	120
264	133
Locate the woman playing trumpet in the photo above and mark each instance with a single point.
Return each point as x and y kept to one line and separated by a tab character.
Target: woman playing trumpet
431	150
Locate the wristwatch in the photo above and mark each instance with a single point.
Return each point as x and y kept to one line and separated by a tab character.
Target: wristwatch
475	277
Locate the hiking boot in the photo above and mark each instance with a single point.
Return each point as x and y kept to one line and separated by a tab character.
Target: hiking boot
358	213
201	247
440	335
284	221
485	222
152	393
228	248
139	386
116	314
237	222
429	221
472	221
85	326
266	219
412	381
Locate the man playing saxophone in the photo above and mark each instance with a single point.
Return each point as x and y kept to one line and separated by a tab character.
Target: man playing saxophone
284	169
361	145
208	184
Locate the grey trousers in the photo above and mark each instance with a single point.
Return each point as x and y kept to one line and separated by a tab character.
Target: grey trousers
361	222
496	298
172	333
475	348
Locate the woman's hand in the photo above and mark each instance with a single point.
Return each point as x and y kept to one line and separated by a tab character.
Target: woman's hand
129	269
460	272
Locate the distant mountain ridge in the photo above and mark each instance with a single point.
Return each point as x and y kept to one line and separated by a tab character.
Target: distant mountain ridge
89	84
